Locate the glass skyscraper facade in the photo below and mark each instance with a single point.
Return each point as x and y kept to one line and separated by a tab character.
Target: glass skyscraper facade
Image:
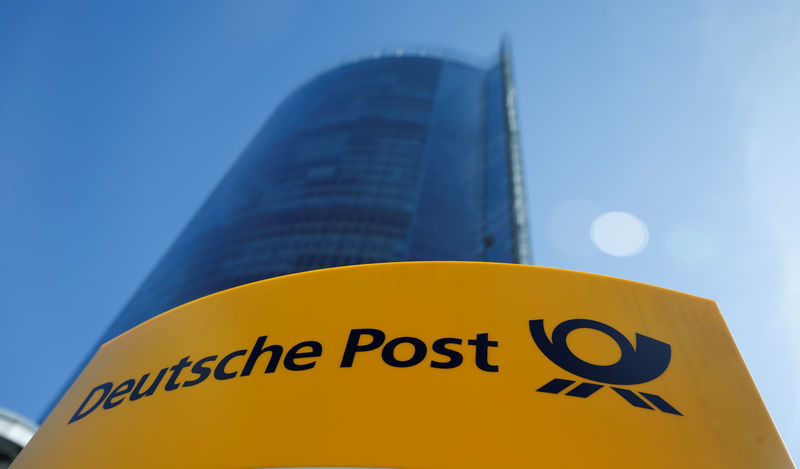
397	157
392	158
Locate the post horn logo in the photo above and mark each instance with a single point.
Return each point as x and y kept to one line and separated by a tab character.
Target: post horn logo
646	362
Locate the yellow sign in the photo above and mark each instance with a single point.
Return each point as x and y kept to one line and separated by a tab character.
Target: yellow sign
419	365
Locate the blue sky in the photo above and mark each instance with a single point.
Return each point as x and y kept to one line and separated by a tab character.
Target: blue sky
117	119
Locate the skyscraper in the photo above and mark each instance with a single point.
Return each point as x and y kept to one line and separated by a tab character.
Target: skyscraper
398	157
392	158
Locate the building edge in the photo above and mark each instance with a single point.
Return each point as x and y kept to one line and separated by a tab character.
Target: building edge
519	218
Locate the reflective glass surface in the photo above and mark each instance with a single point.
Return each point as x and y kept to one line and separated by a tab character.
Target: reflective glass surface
390	159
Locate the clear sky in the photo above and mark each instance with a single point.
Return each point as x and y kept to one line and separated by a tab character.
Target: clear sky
118	118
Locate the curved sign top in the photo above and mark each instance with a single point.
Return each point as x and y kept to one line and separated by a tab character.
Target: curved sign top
419	365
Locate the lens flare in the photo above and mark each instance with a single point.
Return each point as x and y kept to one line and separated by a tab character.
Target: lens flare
619	234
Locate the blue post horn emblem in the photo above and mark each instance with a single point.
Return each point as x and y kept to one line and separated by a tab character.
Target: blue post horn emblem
646	362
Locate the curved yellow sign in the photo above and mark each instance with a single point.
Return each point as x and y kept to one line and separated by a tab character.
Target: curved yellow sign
419	365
